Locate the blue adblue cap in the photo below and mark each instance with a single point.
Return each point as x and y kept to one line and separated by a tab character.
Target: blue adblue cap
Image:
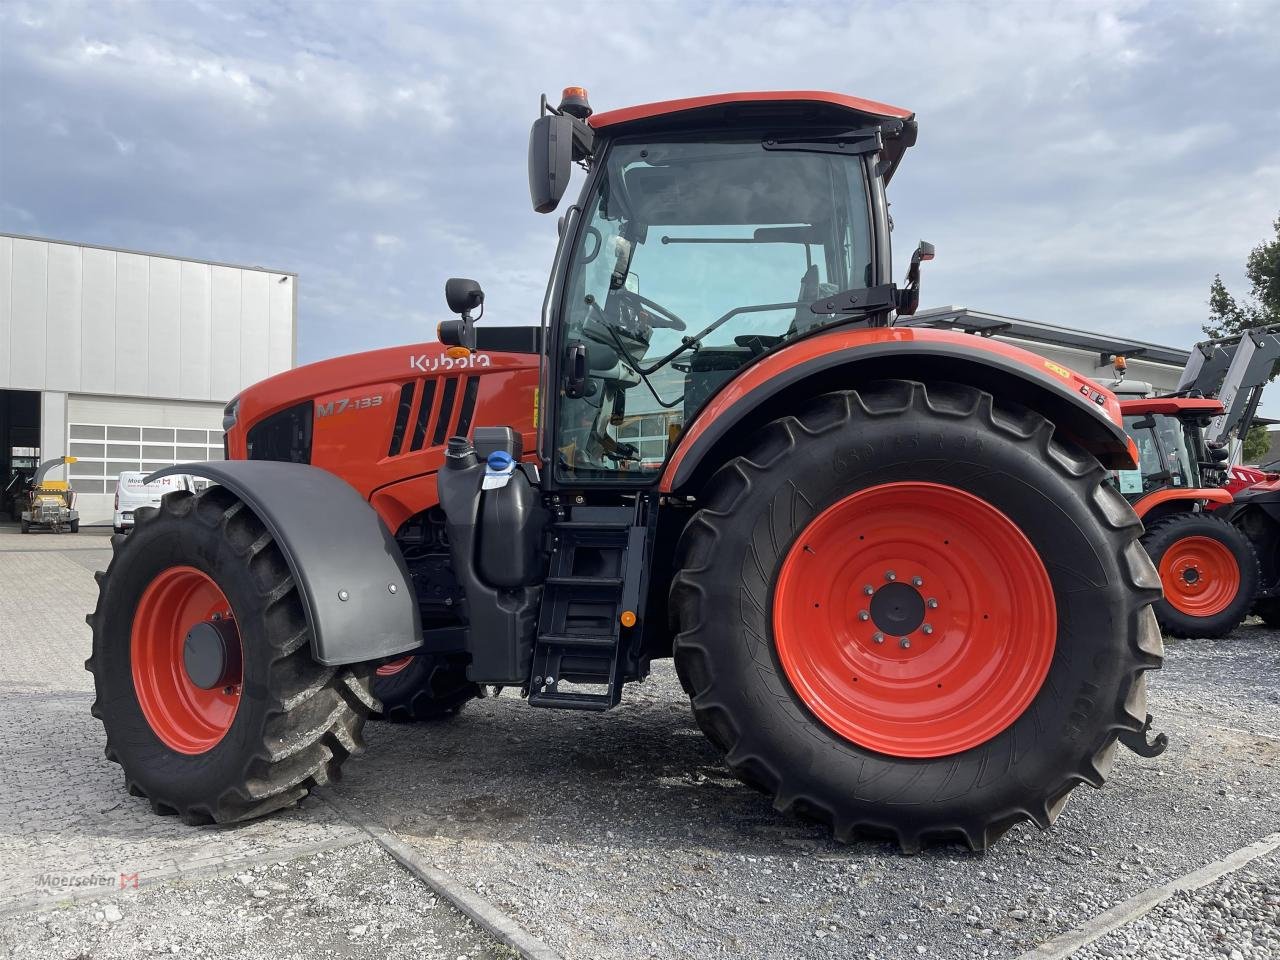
499	460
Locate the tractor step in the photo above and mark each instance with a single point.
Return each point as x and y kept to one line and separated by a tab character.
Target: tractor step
597	566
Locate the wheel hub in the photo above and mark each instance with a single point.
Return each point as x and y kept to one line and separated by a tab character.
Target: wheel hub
211	653
897	609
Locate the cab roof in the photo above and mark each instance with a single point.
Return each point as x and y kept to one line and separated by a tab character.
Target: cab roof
816	107
664	108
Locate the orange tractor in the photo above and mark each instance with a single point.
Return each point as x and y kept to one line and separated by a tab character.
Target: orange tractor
1207	564
901	592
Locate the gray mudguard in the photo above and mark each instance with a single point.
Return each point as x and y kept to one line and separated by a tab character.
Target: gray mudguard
336	546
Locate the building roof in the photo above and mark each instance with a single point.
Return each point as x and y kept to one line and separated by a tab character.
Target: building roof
146	253
992	324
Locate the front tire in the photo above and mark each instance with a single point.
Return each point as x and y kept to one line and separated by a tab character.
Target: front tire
915	741
273	726
1209	571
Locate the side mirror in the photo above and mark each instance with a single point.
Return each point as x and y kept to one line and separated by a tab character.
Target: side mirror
909	295
462	296
550	161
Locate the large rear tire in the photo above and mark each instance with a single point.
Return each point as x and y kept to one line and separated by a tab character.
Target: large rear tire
422	687
962	516
1209	571
275	724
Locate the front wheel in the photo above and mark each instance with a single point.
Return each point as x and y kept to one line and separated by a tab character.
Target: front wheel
911	612
206	687
1209	572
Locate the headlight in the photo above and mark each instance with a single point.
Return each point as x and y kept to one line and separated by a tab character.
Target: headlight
229	413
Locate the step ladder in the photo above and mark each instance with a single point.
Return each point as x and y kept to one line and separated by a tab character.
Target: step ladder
596	573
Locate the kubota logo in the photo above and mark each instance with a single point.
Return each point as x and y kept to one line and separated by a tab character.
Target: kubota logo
428	364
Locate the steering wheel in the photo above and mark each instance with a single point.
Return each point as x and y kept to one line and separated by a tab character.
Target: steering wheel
659	316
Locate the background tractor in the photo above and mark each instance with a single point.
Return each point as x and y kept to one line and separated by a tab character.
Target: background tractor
1207	565
899	588
49	504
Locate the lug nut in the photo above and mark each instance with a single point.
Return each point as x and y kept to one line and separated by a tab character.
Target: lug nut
931	603
890	575
391	588
926	629
877	638
904	643
868	590
343	595
918	581
863	615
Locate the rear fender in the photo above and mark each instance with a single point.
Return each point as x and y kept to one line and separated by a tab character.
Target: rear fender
846	359
336	546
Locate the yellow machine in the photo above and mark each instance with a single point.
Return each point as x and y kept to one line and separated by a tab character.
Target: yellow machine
50	503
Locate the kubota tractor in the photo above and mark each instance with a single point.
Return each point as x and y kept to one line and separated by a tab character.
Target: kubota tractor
900	591
1207	565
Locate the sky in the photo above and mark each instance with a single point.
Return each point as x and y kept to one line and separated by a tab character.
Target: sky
1091	164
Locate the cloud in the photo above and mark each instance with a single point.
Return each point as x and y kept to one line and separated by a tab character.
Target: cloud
1090	164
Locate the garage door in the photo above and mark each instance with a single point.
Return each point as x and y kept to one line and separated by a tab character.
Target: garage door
108	437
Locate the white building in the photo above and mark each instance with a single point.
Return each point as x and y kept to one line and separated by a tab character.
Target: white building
125	360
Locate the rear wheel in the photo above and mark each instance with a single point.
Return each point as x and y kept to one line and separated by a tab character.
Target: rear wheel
75	526
941	615
422	687
24	526
211	701
1209	572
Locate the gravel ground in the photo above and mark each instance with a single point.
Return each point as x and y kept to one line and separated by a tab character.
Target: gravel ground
608	836
352	903
1238	917
621	835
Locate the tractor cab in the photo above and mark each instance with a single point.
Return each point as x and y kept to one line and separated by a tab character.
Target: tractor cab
710	231
1173	455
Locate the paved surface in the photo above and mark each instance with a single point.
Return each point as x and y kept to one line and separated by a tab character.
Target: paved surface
610	836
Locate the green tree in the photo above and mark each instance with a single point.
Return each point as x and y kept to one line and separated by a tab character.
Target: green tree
1256	445
1229	316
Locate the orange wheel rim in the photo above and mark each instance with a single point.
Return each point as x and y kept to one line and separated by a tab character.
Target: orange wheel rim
914	619
185	717
391	668
1200	576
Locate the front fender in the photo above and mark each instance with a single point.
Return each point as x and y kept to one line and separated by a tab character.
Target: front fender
336	546
845	359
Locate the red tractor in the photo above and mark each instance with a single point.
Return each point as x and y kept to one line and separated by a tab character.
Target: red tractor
901	592
1207	565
